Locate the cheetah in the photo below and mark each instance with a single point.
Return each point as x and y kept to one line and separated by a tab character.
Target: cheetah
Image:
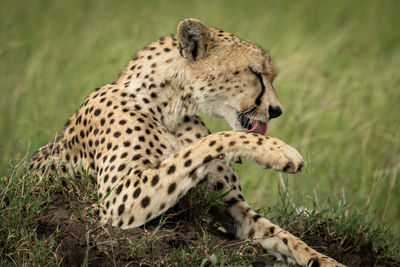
142	140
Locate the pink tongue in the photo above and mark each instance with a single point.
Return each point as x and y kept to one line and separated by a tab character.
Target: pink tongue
258	127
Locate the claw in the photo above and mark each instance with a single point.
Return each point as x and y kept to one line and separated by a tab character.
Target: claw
300	167
313	262
288	167
238	160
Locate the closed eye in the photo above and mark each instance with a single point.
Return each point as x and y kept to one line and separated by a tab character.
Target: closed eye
258	99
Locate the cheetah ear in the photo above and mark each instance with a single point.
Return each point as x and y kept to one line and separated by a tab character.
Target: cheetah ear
193	37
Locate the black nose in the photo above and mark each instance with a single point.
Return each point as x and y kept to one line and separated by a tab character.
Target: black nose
274	111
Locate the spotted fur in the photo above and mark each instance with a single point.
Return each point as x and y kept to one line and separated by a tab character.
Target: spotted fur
140	136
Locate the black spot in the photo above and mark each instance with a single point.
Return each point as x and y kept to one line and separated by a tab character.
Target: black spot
131	220
219	149
284	240
113	158
78	120
97	112
256	217
171	188
212	143
171	169
155	179
219	186
232	143
145	202
129	131
122	122
232	201
137	192
188	163
272	229
121	167
117	134
119	189
136	157
162	206
127	143
207	159
121	209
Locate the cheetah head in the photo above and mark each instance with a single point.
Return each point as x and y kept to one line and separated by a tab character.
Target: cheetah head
231	78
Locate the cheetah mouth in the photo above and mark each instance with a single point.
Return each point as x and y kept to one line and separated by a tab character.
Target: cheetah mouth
258	127
251	125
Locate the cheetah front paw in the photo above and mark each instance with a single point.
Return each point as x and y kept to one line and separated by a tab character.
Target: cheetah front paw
282	157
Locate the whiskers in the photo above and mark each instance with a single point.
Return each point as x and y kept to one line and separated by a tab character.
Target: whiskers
244	119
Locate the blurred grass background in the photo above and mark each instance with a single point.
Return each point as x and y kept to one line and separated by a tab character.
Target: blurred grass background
338	84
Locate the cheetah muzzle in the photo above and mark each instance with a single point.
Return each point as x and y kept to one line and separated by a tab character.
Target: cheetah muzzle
140	137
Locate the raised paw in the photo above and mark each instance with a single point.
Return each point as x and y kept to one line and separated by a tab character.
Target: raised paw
282	157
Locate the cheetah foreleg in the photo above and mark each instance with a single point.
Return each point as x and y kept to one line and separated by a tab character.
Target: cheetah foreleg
275	240
179	173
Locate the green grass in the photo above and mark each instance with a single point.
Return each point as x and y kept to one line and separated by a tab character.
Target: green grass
338	84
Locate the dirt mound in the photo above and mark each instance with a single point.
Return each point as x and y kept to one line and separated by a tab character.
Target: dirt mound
82	240
175	239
